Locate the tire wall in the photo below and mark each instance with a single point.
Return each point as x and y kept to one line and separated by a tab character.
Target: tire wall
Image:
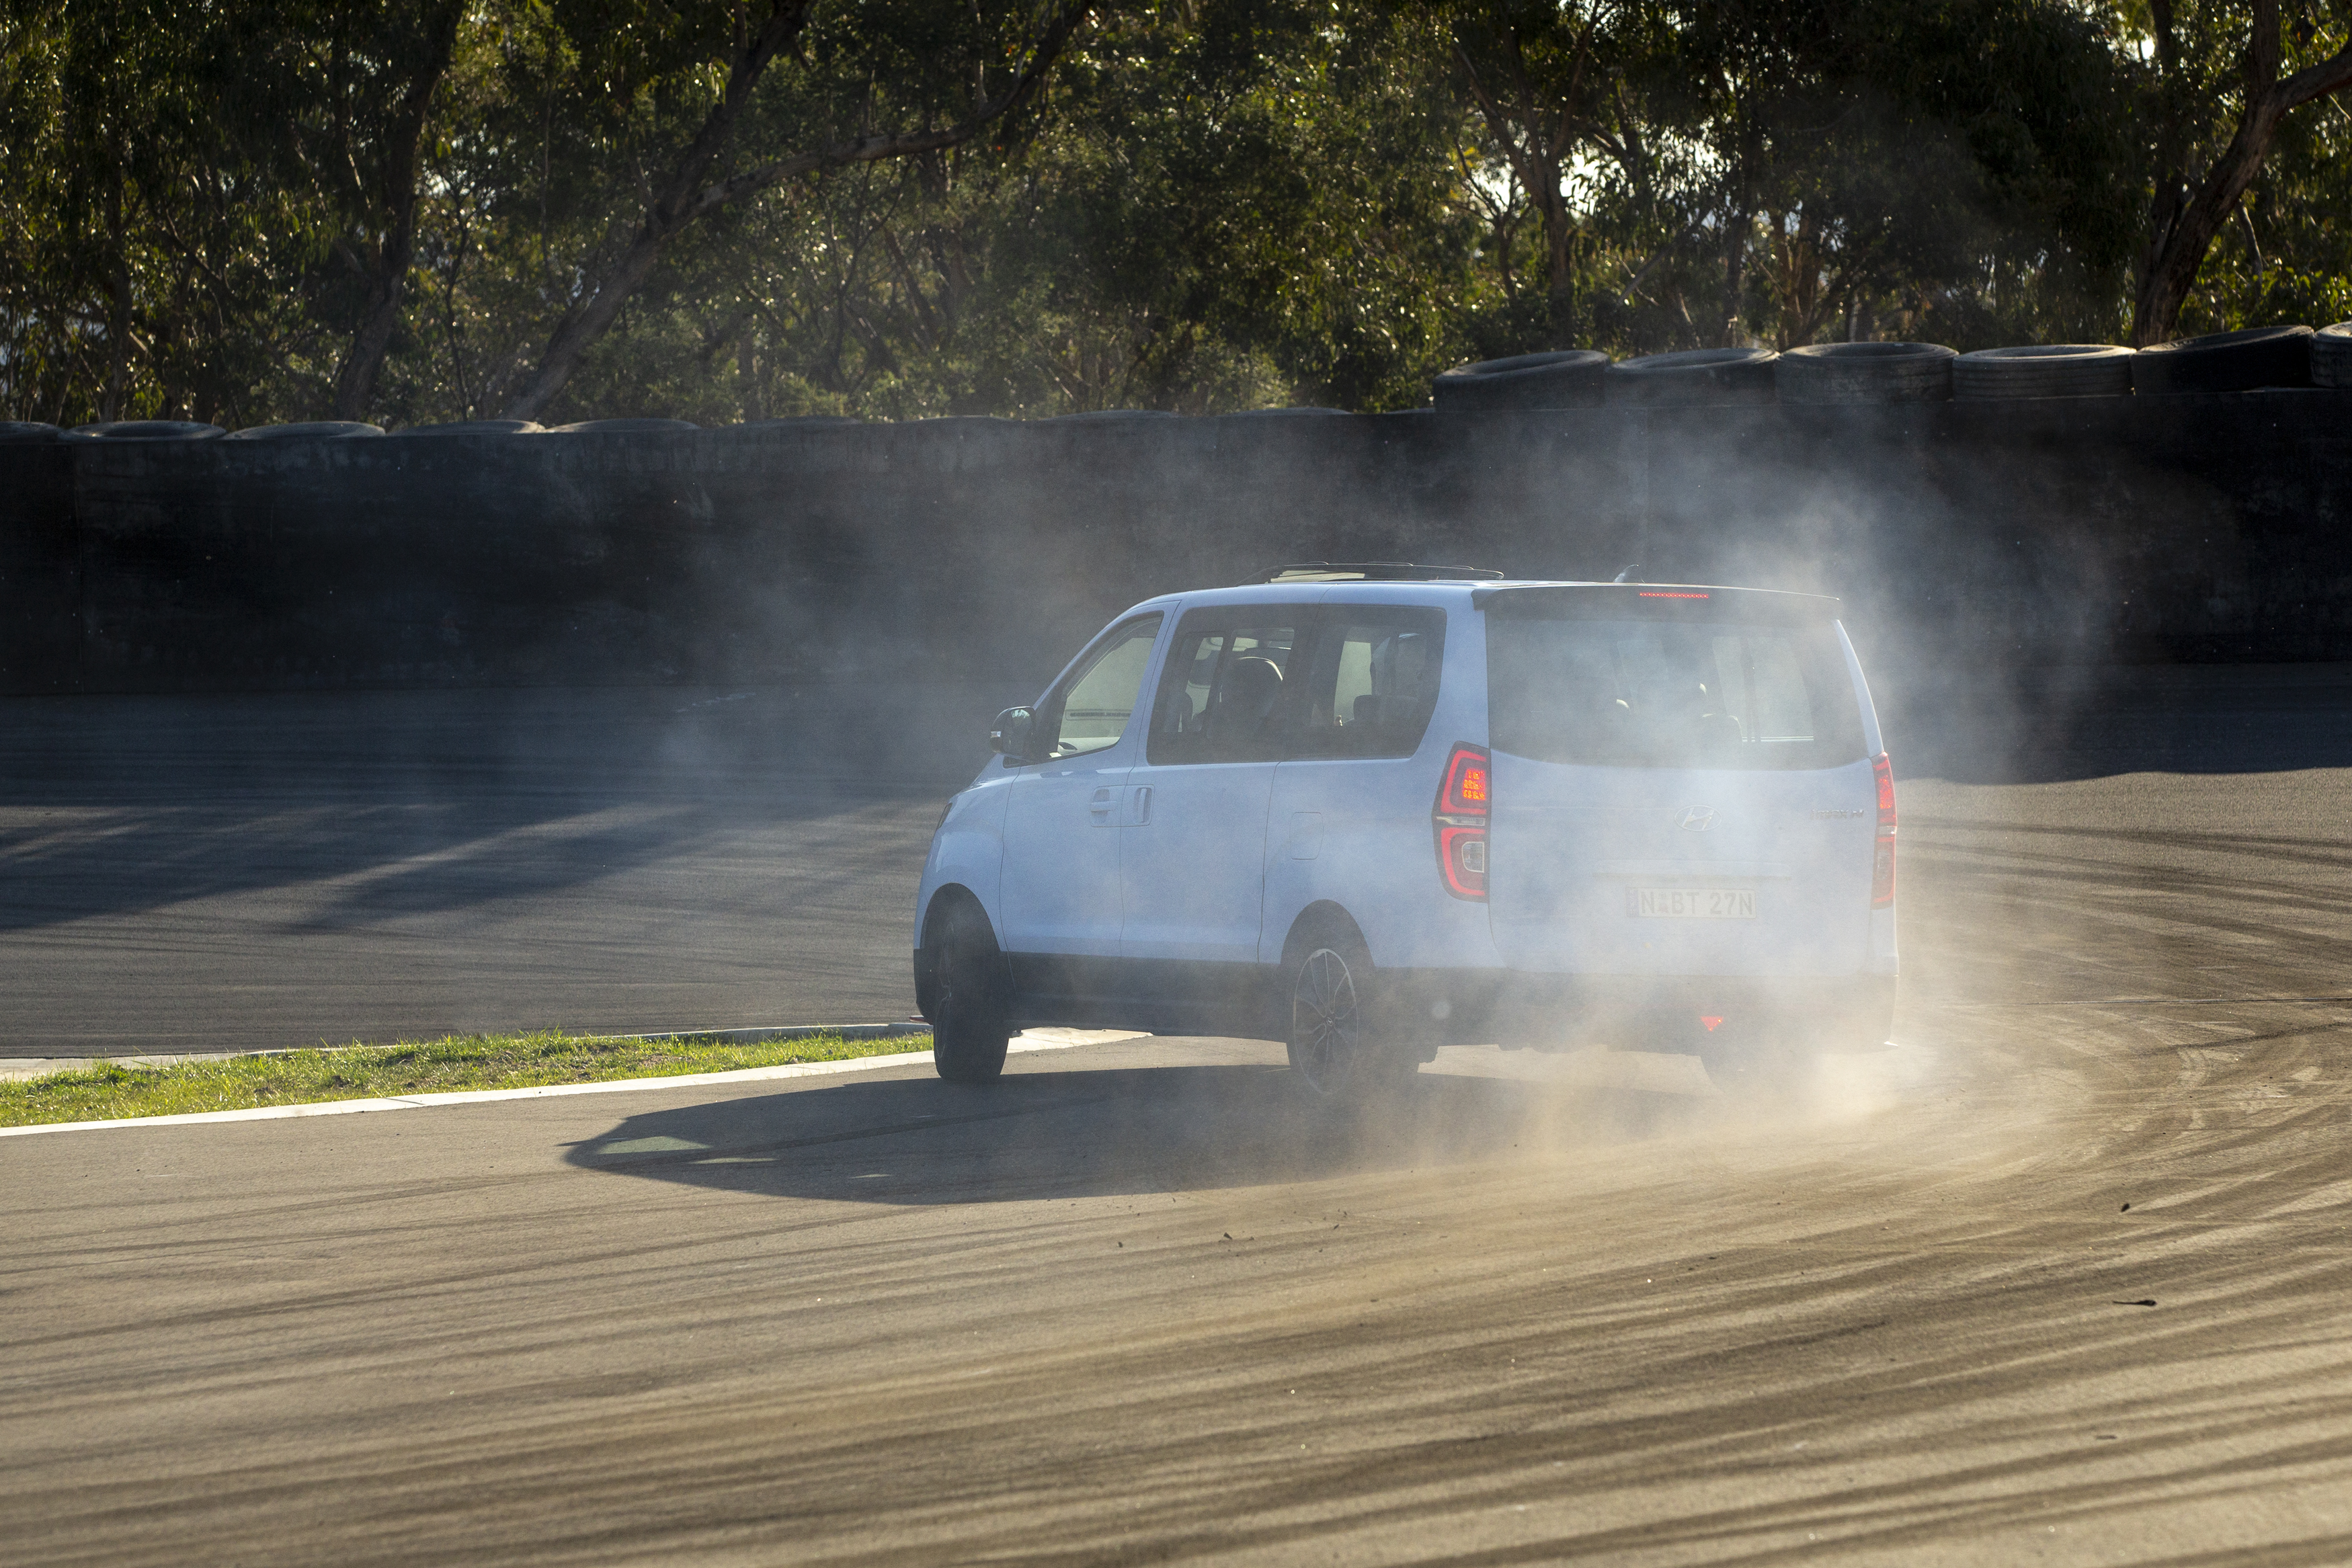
40	569
1966	538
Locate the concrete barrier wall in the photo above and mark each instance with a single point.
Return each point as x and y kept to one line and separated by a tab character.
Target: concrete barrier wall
1964	536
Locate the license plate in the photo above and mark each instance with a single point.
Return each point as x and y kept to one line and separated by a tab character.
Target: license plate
1691	903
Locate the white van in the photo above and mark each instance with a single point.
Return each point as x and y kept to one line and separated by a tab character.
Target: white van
1375	809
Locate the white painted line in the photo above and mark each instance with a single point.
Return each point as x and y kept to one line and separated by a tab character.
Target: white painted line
22	1067
1034	1040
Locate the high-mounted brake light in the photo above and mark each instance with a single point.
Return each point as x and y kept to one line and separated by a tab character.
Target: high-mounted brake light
1664	593
1460	821
1882	864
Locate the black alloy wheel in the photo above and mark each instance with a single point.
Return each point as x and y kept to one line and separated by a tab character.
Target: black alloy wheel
970	1031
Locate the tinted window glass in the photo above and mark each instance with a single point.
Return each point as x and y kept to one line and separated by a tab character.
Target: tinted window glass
1091	712
1370	682
1226	696
1670	692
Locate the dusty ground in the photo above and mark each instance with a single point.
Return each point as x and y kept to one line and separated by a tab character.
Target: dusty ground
1137	1304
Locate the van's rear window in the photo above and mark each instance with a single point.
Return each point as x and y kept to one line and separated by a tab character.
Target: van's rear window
1657	691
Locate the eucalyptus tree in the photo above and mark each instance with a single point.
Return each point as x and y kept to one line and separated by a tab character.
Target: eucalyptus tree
1218	204
1919	162
2286	254
710	105
360	130
1562	94
145	249
2230	76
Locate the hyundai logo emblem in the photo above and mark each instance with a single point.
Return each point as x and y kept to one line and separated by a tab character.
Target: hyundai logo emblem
1699	819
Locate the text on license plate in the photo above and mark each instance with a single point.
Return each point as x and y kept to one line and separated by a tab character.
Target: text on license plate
1691	903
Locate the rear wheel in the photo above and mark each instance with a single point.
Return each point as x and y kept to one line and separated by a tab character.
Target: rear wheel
1335	1042
969	1027
1756	1066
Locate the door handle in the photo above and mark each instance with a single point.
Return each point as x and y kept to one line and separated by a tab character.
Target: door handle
1102	805
1139	807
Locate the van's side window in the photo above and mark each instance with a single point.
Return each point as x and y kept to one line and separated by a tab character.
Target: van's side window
1225	696
1370	683
1091	712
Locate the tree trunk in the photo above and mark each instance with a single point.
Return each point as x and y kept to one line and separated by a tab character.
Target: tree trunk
1735	244
1735	276
682	196
1559	277
119	307
387	277
2181	232
747	376
1558	232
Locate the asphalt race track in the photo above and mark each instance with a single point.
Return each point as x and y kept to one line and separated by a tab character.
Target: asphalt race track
246	873
2065	1276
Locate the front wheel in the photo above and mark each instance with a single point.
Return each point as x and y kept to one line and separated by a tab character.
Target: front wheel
969	1028
1334	1044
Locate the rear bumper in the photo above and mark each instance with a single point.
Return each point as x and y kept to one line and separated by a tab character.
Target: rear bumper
1634	1012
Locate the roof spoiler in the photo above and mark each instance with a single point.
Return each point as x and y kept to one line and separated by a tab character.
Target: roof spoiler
1550	600
1373	571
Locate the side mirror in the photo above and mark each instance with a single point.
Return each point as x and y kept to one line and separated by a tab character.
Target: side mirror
1010	735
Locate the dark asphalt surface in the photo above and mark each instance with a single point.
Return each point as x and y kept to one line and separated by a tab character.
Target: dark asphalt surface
2064	1277
221	873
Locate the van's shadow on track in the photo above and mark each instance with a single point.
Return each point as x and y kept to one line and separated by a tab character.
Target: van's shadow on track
1108	1131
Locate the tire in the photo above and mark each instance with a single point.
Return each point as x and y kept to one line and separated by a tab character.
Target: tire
625	427
23	433
1701	376
1865	373
1776	1052
2226	361
1336	1043
1765	1060
797	422
970	1031
2043	370
2331	356
1755	1068
145	430
317	430
475	427
1568	378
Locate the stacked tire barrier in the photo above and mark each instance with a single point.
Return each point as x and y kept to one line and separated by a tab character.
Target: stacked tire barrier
2254	358
1967	535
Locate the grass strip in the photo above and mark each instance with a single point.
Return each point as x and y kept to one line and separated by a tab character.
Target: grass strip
411	1067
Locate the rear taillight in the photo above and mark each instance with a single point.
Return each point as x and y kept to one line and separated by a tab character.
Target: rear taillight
1882	864
1460	818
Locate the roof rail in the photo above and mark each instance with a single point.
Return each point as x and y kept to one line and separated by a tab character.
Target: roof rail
1375	571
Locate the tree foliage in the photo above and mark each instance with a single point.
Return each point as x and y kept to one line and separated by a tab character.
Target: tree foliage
744	209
